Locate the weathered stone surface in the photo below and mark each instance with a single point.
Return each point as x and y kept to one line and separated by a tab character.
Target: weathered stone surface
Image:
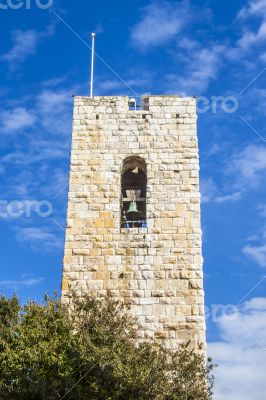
156	270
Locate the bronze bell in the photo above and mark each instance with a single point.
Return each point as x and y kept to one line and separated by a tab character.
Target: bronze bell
133	207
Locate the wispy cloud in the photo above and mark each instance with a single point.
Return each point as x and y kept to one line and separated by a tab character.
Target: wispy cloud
229	197
258	253
37	170
25	44
251	36
211	192
31	157
49	110
46	128
53	101
201	67
262	210
240	352
208	189
242	172
253	8
16	119
250	163
255	249
160	22
54	110
107	86
13	284
39	239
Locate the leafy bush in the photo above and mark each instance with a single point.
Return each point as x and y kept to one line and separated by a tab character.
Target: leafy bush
47	352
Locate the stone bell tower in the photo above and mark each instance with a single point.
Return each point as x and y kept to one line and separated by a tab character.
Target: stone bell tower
133	224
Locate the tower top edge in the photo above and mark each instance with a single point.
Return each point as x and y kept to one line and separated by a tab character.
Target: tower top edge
164	96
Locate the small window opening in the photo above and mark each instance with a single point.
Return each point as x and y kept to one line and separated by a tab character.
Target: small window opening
133	193
135	103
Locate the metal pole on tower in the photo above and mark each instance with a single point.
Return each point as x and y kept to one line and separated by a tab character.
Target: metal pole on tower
92	63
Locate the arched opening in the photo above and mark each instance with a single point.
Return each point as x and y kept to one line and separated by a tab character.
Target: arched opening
133	193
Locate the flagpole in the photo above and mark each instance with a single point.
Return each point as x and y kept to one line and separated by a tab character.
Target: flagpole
92	63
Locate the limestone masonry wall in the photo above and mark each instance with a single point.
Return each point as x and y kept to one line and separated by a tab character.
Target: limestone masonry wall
156	270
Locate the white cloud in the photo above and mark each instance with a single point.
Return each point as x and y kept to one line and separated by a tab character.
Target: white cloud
25	44
262	210
105	86
15	120
13	284
256	247
48	150
187	44
229	197
2	169
55	82
50	114
164	20
39	239
257	303
35	172
53	101
57	185
201	67
250	162
210	192
161	21
254	8
263	57
240	353
250	38
257	100
258	253
243	171
53	108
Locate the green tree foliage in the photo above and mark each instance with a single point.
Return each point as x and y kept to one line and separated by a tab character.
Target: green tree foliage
91	352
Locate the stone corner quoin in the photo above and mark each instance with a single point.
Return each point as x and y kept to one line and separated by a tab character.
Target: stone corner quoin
154	265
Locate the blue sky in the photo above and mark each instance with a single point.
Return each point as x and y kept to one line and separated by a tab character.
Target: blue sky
212	49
